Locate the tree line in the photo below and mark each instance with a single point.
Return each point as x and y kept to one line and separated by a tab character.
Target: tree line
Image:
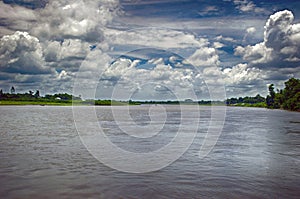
35	96
287	98
246	100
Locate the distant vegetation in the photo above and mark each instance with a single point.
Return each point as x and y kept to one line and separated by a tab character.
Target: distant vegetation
257	101
287	98
33	98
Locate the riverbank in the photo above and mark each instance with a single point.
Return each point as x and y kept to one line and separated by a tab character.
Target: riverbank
22	103
64	103
256	105
98	103
109	103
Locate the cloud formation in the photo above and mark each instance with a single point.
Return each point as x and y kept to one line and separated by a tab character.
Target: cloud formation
44	43
241	74
280	47
22	53
154	37
78	19
31	4
204	57
56	39
15	18
247	6
125	77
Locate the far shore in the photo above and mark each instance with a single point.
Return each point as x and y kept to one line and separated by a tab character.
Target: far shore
119	103
115	103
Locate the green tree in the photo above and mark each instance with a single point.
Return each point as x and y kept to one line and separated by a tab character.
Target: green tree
291	95
12	90
271	97
278	100
37	94
288	98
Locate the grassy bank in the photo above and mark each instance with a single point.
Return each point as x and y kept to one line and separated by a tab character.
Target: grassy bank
41	103
257	105
111	103
63	103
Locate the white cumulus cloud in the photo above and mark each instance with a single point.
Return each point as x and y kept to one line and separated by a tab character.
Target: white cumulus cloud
66	19
204	57
242	79
22	53
125	77
280	47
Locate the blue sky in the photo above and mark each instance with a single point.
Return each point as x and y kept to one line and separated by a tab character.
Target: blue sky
148	49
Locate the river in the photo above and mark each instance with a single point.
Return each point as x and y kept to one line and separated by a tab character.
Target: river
257	155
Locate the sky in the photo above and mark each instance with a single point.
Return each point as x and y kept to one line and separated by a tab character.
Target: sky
149	49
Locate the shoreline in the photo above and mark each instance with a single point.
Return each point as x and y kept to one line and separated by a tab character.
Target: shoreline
96	103
41	103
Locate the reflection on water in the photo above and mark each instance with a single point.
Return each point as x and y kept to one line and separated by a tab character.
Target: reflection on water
256	156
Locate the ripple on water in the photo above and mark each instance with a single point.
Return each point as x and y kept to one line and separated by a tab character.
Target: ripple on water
256	156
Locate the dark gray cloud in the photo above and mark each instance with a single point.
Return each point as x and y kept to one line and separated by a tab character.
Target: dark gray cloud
32	4
15	18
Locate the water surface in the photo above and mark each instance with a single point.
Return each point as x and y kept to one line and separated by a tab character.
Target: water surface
256	156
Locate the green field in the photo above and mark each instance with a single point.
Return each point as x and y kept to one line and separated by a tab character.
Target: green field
257	105
63	103
41	103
